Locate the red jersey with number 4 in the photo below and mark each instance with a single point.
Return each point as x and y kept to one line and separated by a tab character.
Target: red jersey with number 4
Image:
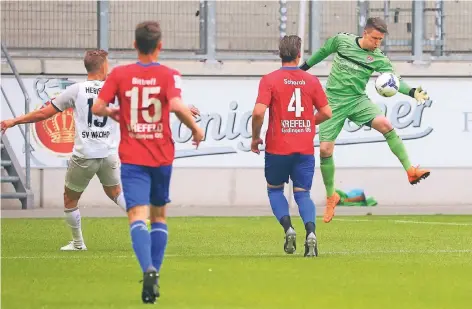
292	96
144	92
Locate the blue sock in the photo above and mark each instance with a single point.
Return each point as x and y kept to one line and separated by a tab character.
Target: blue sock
158	243
141	244
278	202
306	207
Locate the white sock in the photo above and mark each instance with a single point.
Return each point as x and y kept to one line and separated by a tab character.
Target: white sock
74	220
120	201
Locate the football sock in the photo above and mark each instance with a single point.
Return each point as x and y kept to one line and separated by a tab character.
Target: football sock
310	228
398	148
120	201
327	171
73	219
158	243
306	207
141	244
286	223
278	203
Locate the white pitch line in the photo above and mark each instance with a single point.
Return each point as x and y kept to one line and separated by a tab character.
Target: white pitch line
406	221
66	256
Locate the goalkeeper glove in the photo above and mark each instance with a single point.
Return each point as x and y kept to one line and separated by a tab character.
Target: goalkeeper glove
419	95
305	66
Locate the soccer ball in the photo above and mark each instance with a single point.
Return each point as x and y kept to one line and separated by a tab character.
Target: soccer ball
387	84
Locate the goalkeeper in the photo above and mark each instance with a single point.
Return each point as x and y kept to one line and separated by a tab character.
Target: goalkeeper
356	58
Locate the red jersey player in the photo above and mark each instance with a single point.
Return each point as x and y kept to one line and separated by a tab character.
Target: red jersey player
291	95
147	92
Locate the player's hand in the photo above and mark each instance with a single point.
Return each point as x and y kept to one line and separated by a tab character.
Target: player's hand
114	113
195	111
255	145
6	124
197	136
421	96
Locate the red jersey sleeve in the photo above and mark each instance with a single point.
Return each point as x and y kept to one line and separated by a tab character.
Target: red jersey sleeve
110	89
174	85
264	95
319	96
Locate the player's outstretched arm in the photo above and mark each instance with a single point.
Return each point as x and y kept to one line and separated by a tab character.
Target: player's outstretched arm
184	114
34	116
330	46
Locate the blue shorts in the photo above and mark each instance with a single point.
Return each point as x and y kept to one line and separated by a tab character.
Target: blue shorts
300	168
145	185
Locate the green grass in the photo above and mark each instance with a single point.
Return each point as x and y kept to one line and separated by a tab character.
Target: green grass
374	262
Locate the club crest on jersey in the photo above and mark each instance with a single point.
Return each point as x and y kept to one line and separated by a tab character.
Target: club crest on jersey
57	133
370	59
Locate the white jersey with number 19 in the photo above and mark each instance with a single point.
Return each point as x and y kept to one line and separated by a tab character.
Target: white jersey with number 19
95	137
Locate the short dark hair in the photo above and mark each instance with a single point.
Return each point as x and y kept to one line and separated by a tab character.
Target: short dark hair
376	23
147	35
289	48
94	59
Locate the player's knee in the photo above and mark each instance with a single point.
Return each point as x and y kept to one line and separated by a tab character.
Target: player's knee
112	191
137	213
326	150
71	198
299	195
158	214
272	188
381	124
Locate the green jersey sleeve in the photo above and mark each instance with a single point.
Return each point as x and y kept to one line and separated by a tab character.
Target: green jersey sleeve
387	67
329	47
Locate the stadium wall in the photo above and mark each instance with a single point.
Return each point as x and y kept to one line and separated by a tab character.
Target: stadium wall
438	136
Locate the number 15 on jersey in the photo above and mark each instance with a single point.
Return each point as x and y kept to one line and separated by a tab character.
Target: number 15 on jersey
141	105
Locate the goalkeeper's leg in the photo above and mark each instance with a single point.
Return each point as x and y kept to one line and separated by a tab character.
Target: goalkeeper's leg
329	131
415	174
370	114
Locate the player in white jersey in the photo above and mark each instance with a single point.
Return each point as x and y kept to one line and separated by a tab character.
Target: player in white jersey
95	145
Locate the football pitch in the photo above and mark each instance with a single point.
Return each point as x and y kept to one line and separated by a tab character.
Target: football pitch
215	262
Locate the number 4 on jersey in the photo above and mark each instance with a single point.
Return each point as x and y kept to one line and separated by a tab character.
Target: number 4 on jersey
295	104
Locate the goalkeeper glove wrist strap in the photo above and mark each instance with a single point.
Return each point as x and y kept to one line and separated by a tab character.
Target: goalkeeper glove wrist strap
412	92
305	66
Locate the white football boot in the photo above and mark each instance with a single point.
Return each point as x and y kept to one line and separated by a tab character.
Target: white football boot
73	247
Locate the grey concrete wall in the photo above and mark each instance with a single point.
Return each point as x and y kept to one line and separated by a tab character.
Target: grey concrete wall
241	25
246	188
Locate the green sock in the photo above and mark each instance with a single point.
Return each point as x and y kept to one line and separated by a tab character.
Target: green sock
327	170
398	148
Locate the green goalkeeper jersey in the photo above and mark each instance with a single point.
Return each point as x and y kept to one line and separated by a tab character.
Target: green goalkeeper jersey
352	67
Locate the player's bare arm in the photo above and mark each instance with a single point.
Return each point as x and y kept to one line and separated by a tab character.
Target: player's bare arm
100	108
186	116
257	122
323	114
34	116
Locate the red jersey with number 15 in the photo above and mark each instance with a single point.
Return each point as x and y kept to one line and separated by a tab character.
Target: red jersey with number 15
144	92
292	96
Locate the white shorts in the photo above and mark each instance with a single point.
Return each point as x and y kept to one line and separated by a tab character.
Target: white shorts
80	171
